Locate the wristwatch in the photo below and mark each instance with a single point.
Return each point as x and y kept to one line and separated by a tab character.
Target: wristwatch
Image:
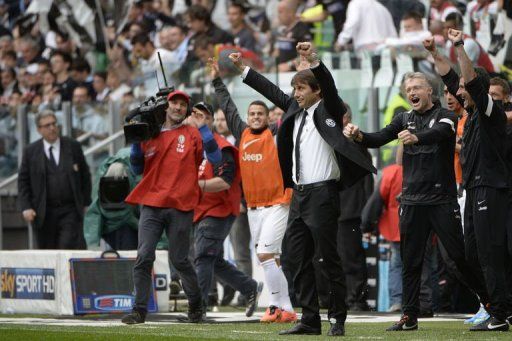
457	43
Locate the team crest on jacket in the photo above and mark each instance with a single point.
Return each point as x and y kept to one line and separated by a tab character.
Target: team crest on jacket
330	122
180	148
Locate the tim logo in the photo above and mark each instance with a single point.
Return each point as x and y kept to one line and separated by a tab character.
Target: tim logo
252	157
180	148
113	302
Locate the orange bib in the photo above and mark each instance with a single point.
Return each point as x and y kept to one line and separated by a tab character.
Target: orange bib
262	180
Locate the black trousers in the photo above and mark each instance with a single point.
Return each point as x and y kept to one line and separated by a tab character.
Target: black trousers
124	238
312	233
485	220
416	224
353	258
62	229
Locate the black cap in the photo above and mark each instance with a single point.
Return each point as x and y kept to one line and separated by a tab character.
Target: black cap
204	107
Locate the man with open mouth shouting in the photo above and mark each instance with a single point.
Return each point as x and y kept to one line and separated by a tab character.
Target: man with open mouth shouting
429	195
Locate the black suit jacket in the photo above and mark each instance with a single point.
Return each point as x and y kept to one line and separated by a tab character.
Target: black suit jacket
328	119
32	177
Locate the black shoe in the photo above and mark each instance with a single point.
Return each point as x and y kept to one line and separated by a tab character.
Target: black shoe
405	324
492	324
175	287
426	313
301	329
337	329
194	315
252	299
135	317
227	296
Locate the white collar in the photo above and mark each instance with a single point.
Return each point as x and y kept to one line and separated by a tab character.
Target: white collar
311	109
55	145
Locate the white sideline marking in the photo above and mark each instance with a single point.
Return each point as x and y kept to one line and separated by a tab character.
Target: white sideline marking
220	317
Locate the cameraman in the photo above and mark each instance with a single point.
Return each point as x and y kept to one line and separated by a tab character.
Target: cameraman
168	194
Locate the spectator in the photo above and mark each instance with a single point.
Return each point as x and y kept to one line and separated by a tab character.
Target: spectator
9	59
61	64
440	9
9	82
81	74
54	187
99	83
275	115
291	31
174	39
199	21
30	51
86	119
368	24
337	9
475	51
413	32
144	49
398	8
244	36
116	85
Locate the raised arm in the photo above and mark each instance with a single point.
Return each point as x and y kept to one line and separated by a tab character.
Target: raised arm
332	101
466	65
235	123
442	64
261	84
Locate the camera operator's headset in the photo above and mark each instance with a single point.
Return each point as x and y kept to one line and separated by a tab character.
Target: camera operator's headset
183	95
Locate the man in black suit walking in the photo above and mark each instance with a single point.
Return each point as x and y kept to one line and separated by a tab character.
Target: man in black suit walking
54	187
317	161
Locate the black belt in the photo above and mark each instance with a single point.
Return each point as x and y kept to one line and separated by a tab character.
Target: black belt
302	188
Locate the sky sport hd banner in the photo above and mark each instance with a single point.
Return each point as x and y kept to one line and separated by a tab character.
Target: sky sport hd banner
27	283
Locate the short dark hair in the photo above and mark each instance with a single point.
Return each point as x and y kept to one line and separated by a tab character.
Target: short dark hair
10	53
457	19
101	74
202	40
501	82
306	77
483	76
11	71
416	16
82	86
198	12
242	5
141	38
81	65
65	56
261	103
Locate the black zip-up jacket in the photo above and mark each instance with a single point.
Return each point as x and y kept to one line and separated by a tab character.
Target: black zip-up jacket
429	177
484	142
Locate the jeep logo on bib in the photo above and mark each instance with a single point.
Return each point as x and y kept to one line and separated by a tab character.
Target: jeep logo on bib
330	122
252	157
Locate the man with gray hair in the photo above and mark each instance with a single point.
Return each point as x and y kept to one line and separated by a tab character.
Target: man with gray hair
429	194
54	187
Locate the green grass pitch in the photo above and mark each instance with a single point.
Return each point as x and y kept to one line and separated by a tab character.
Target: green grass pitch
239	331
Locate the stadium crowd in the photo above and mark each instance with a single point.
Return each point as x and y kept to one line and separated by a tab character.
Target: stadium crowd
301	190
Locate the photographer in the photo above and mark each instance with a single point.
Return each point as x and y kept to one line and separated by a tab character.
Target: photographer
168	194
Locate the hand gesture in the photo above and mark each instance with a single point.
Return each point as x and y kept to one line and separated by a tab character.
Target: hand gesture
454	35
213	68
196	119
302	64
407	138
29	215
236	58
351	131
430	44
306	51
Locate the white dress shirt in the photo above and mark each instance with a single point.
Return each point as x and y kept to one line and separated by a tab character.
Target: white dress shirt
368	23
56	150
317	158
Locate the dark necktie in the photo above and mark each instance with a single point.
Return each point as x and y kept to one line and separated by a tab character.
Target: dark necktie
52	158
297	146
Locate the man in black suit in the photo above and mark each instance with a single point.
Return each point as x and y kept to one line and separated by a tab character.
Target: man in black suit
54	187
317	161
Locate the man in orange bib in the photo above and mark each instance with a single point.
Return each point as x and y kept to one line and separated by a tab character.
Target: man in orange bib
267	199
